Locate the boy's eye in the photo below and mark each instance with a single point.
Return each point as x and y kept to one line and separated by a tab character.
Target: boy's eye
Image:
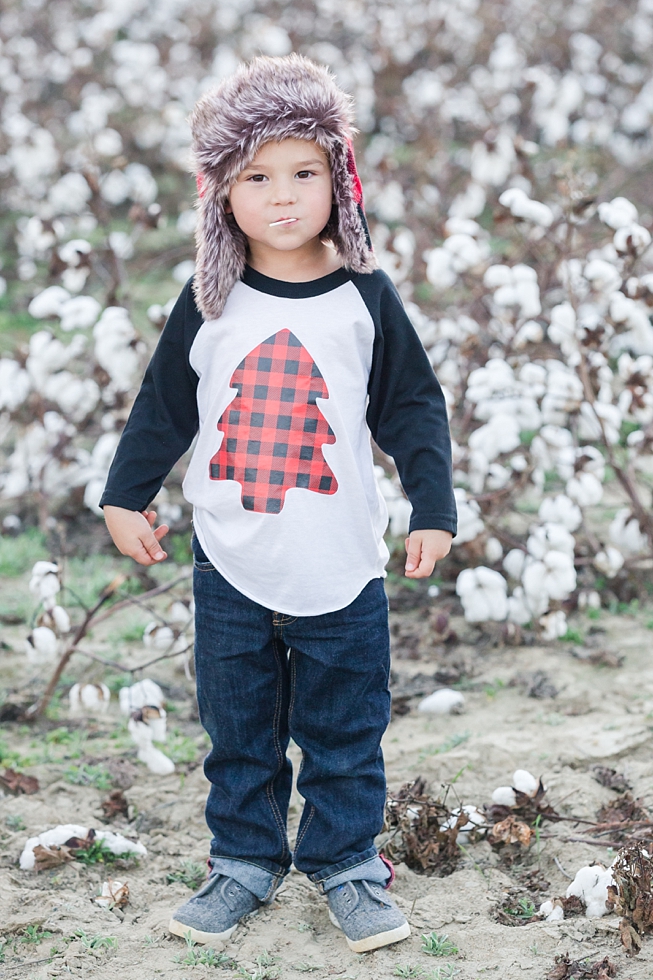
307	173
259	178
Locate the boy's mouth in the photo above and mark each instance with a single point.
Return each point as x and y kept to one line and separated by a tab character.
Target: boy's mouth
283	221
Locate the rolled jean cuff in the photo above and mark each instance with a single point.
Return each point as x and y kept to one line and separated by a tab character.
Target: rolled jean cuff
259	881
363	867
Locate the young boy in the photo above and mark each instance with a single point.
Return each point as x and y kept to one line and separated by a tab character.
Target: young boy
284	353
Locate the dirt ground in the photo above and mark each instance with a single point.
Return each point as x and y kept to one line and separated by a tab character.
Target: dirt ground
601	714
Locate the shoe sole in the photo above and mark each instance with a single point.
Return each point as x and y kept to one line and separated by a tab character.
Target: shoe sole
373	942
197	936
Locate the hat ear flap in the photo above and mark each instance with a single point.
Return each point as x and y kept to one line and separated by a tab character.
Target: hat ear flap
351	236
221	252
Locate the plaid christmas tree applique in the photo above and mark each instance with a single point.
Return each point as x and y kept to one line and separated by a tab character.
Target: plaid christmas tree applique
273	429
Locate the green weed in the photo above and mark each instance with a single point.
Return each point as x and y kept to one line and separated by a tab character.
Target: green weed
264	970
15	822
19	554
202	957
573	636
449	743
97	852
436	945
190	874
34	934
446	972
86	775
97	941
408	972
524	909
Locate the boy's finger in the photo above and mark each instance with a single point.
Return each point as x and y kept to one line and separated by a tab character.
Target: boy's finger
161	531
150	516
414	549
153	548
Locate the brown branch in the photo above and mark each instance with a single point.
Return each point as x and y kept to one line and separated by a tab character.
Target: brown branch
37	709
137	600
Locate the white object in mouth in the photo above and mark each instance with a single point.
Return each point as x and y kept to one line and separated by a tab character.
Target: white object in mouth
282	221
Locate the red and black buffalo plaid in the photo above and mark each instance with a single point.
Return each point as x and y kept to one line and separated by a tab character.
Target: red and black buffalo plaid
273	429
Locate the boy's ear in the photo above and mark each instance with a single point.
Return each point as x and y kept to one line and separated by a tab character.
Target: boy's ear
227	208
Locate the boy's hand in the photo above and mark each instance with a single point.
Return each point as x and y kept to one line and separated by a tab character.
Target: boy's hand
133	534
423	549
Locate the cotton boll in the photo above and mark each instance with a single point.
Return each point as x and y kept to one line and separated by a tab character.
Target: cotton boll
524	782
513	563
499	435
554	625
70	194
589	600
470	203
626	534
439	268
42	646
465	251
443	702
493	550
153	758
550	537
399	512
15	384
609	562
518	609
180	613
551	912
138	695
48	303
57	836
585	489
591	886
470	523
602	275
71	252
79	313
521	206
504	796
89	699
482	593
44	581
632	238
155	718
61	619
618	213
530	332
561	510
475	820
76	397
157	636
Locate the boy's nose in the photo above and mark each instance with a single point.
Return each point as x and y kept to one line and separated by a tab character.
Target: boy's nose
283	192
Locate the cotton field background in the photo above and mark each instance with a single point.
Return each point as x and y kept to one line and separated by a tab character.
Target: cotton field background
506	158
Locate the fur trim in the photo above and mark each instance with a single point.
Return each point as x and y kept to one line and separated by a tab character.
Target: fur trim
270	99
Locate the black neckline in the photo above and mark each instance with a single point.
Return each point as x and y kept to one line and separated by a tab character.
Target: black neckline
294	290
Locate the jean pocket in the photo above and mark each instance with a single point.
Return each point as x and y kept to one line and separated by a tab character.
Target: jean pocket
200	561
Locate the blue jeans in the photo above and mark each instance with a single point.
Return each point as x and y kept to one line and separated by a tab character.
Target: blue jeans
264	677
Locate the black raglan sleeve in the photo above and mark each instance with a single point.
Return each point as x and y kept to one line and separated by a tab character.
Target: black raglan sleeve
406	412
164	418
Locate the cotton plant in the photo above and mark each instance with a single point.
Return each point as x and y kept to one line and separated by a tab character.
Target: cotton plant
530	284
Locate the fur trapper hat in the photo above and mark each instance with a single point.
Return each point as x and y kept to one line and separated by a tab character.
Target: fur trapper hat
269	99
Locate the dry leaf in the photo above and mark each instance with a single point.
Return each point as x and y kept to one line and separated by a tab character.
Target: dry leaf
17	783
611	779
51	856
115	895
510	831
116	804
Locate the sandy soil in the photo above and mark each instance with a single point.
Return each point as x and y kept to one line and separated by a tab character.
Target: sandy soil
601	714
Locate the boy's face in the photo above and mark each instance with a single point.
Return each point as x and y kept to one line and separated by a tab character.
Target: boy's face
287	180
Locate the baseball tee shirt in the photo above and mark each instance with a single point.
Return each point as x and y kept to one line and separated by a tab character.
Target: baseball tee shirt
284	391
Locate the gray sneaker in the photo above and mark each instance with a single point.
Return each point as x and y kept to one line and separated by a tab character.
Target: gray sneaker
214	911
368	918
